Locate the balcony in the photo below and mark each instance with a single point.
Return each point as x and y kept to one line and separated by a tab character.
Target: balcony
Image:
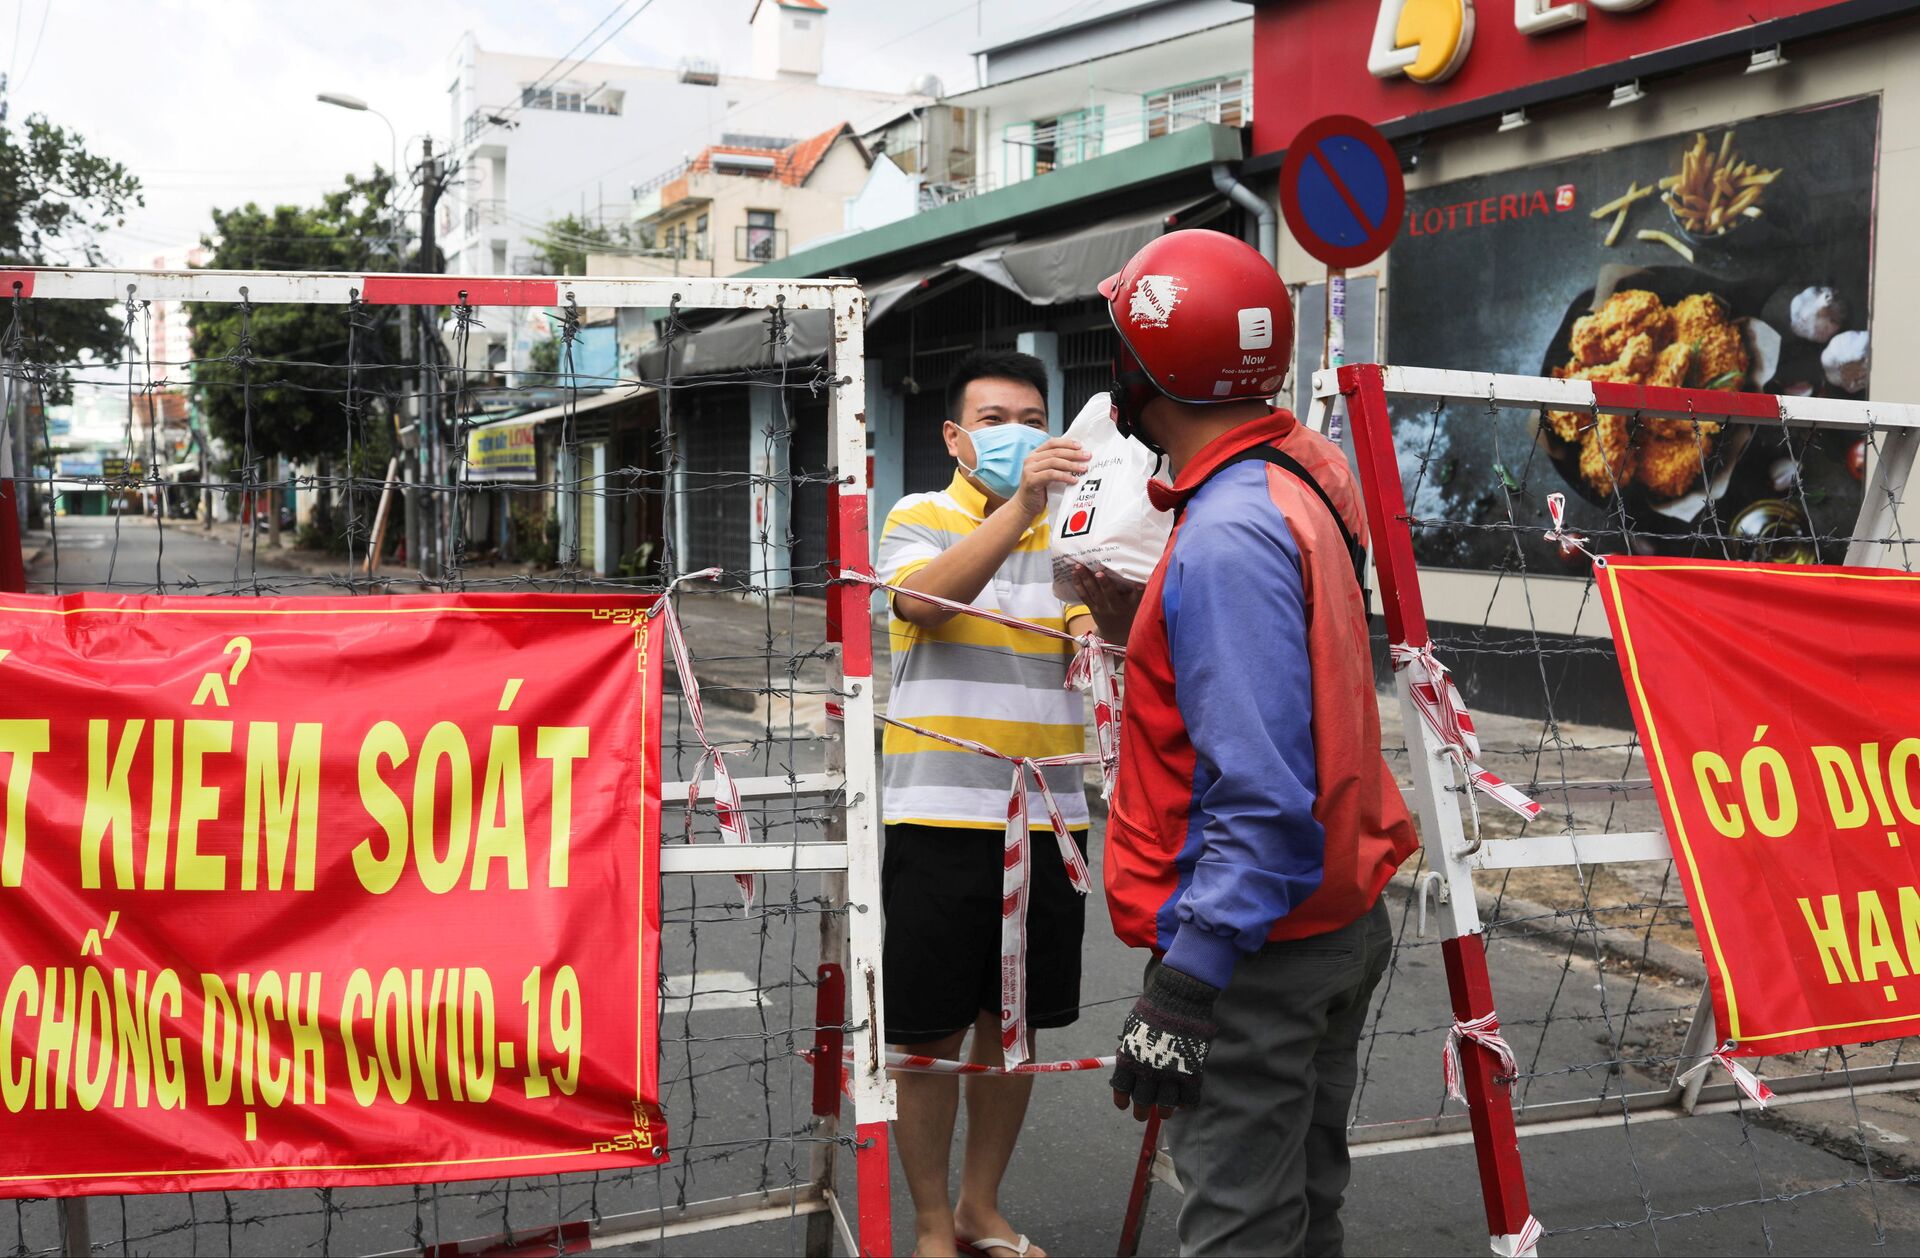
946	192
1043	145
759	244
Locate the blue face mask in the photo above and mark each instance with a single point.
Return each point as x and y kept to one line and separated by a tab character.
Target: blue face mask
1002	450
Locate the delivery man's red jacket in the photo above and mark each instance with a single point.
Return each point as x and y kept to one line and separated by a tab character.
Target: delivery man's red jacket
1252	801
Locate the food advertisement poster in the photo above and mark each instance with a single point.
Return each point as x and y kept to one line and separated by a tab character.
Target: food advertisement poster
303	892
1735	257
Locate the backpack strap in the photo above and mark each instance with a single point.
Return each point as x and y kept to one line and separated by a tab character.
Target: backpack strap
1293	467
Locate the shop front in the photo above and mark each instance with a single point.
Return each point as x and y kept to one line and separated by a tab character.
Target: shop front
573	485
1682	192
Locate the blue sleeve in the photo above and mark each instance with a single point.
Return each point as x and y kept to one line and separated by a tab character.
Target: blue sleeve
1243	680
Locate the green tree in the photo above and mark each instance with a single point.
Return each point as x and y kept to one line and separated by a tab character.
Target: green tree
544	359
55	196
564	243
296	371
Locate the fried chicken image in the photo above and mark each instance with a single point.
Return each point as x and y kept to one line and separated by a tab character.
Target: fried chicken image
1608	456
1693	317
1673	369
1602	336
1636	339
1670	368
1668	468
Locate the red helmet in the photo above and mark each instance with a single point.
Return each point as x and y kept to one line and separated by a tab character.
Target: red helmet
1206	317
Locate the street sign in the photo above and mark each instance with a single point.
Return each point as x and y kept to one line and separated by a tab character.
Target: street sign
1341	190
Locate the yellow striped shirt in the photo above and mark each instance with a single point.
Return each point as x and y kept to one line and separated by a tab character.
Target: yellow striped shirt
973	679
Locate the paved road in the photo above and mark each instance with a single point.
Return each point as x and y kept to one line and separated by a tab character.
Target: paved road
735	1096
134	556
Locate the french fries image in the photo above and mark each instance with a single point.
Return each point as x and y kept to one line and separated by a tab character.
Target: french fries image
1713	190
1678	246
1633	193
1619	207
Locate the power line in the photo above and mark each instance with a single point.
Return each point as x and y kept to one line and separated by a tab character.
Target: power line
13	58
762	101
45	9
505	116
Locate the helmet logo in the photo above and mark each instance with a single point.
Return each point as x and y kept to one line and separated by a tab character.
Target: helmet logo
1256	328
1154	297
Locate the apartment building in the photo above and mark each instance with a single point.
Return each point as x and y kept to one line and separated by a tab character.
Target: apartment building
536	138
737	206
1057	97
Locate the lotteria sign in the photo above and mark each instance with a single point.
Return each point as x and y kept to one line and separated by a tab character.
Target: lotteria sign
1383	60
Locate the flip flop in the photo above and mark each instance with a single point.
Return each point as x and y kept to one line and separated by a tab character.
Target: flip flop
981	1245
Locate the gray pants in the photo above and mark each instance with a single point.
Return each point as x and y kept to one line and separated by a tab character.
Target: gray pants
1263	1157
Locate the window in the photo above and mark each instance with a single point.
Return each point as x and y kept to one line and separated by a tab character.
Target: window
700	238
571	98
1067	139
760	235
1223	100
803	24
1046	145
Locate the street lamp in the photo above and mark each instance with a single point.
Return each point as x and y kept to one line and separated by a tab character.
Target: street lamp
344	101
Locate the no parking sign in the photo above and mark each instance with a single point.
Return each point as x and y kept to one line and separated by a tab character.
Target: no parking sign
1341	190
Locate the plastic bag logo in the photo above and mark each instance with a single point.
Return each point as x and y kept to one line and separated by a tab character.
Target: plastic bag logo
1079	520
1154	298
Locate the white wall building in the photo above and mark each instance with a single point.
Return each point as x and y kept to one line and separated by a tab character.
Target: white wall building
1057	97
535	139
1060	96
168	332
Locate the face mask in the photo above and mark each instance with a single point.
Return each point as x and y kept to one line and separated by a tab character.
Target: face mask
1002	451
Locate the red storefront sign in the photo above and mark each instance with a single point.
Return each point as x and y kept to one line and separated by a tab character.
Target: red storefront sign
304	892
1779	709
1312	57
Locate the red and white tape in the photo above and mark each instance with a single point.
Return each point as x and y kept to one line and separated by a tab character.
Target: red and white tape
1752	1086
1017	872
1521	1244
1571	543
1091	666
726	793
1484	1031
1439	704
916	1063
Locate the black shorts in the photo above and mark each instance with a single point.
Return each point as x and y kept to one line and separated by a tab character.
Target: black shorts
940	890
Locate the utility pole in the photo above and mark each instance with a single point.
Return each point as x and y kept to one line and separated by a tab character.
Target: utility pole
427	435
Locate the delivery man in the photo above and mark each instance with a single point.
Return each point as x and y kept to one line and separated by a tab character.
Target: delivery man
1254	821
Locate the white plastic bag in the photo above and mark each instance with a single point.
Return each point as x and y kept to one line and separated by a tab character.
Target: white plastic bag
1105	521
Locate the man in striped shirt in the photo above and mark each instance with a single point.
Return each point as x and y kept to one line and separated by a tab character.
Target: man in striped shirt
981	540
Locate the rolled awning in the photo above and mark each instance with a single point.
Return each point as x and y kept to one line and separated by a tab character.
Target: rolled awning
744	340
1069	265
1064	266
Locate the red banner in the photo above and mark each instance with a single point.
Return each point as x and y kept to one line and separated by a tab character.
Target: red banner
1779	707
305	891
